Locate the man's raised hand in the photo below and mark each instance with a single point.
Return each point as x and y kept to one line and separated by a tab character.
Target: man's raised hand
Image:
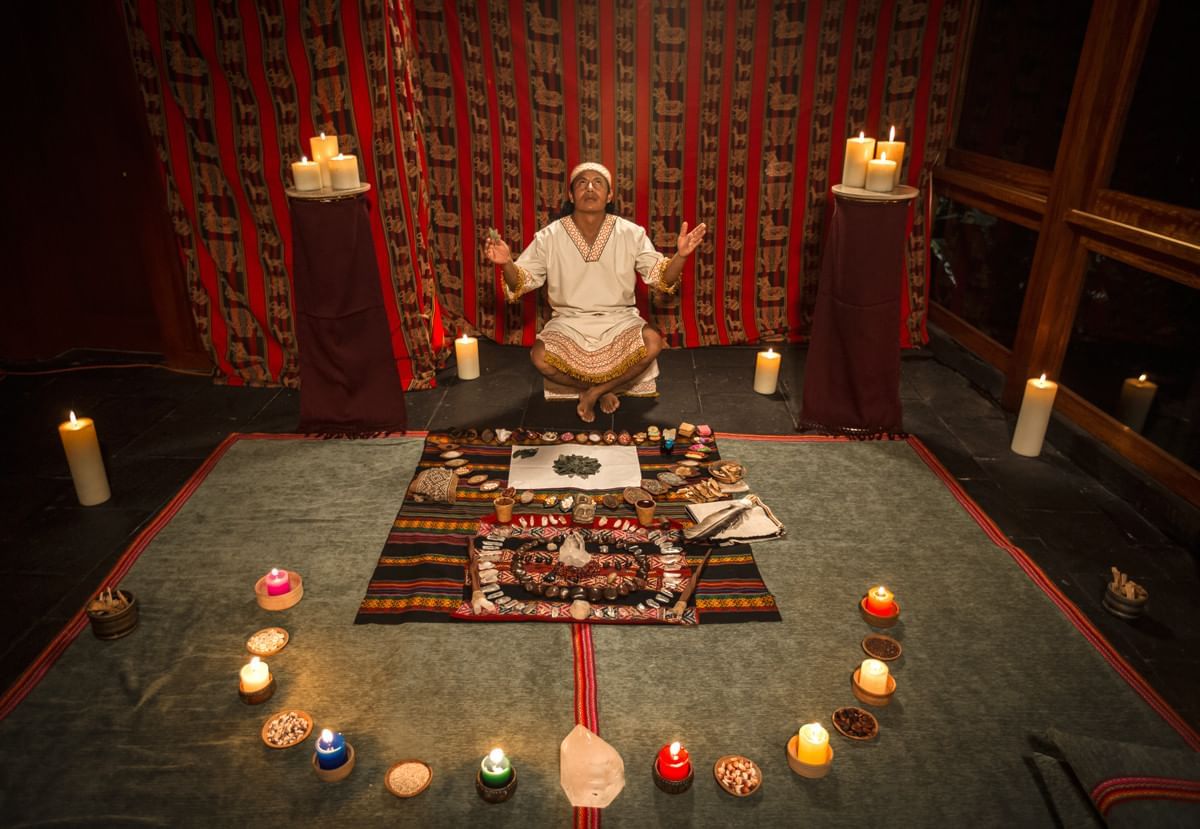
688	242
496	249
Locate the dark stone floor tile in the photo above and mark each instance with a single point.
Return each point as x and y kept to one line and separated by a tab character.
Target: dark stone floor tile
280	416
1010	518
24	496
62	541
922	421
234	403
985	436
746	413
121	420
419	407
183	435
142	483
1036	483
30	596
25	647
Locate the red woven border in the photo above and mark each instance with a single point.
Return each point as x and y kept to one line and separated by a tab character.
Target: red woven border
1116	790
586	712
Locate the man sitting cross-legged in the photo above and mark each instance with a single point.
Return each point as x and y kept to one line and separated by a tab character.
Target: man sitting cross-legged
590	261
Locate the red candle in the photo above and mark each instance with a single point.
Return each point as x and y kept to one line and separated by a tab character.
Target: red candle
673	763
278	582
880	601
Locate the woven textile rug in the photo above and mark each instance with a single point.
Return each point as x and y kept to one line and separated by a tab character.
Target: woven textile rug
149	731
421	575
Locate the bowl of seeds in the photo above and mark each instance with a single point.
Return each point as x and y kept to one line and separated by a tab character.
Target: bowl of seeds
408	778
855	723
285	729
883	648
738	775
267	642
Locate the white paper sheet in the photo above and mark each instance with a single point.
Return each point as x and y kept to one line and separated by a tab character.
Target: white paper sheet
619	467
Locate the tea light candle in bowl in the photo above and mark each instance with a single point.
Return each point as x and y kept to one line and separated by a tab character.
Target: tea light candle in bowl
331	750
254	676
278	582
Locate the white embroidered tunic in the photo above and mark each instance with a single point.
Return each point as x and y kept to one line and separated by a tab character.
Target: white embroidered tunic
595	333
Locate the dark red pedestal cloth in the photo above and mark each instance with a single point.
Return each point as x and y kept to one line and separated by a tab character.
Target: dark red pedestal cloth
852	374
349	383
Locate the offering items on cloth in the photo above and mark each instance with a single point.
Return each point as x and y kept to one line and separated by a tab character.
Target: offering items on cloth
591	771
439	485
754	521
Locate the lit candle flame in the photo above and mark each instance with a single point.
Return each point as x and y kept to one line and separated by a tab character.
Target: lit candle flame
883	156
303	159
675	749
770	351
322	135
254	661
1142	379
326	736
74	421
1042	379
274	571
892	133
880	592
496	756
862	136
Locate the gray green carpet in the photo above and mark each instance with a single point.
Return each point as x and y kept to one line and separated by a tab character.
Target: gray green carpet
149	730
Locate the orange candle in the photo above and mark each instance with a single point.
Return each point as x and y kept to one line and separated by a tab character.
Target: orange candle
880	601
673	762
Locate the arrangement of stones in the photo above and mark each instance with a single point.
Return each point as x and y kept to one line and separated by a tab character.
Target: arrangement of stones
592	584
533	437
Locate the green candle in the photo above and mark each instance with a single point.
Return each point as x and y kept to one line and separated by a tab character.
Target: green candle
496	770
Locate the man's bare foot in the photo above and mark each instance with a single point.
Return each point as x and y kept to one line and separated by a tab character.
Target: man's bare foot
609	402
587	405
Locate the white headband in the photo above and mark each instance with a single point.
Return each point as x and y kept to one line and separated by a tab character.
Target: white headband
591	165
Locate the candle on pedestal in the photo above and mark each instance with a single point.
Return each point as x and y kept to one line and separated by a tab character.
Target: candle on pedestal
812	744
858	152
673	762
892	150
79	441
881	175
1034	416
873	676
1137	395
278	582
766	371
323	148
331	750
466	352
254	676
496	769
306	174
343	172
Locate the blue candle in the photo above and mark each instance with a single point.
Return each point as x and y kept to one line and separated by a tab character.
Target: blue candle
331	750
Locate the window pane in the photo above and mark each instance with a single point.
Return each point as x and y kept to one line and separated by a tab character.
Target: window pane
1131	323
1019	78
1156	158
980	268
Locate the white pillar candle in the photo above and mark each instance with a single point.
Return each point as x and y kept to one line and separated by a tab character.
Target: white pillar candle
79	441
466	351
343	171
766	372
324	147
858	152
1034	416
812	744
892	150
254	676
873	676
306	174
1137	395
881	175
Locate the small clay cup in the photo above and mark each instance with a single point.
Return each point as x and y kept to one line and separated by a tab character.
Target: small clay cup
116	625
504	509
645	511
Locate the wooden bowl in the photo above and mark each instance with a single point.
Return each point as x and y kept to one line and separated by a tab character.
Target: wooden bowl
307	717
398	792
875	620
877	654
267	651
721	761
807	769
284	600
878	700
872	723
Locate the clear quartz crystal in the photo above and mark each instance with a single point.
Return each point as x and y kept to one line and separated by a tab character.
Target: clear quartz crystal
590	770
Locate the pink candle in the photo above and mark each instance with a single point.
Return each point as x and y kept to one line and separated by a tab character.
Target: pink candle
278	582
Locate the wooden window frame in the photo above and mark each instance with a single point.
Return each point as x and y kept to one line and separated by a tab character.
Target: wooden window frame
1074	214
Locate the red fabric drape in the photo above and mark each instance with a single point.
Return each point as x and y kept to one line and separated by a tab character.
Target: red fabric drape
732	113
233	91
